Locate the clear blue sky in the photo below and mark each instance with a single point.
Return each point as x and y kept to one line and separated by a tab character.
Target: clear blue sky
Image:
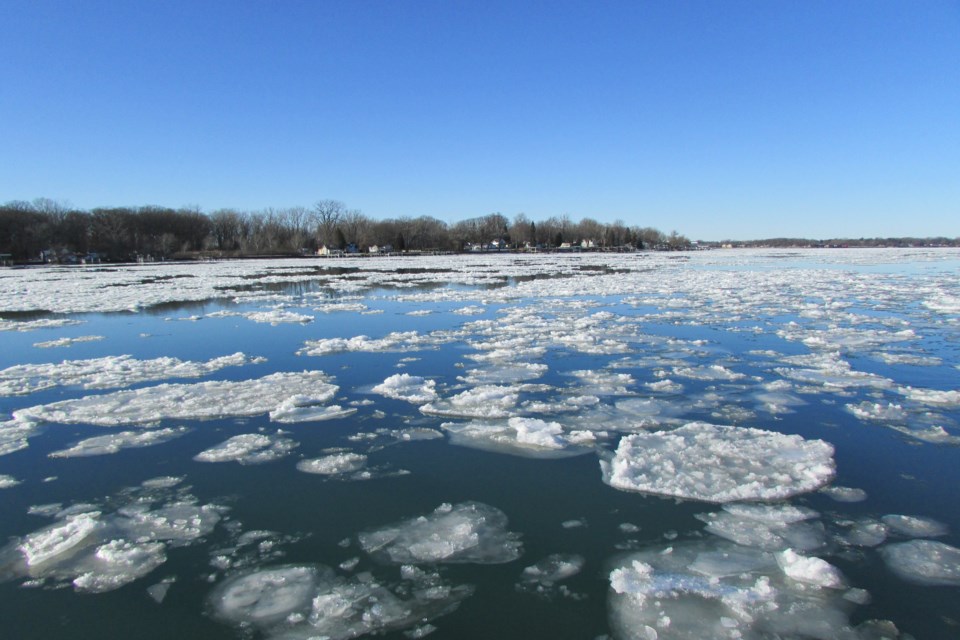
716	119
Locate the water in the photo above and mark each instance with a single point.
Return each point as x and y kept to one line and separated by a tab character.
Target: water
858	349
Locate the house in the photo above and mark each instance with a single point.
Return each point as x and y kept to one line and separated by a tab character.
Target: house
327	252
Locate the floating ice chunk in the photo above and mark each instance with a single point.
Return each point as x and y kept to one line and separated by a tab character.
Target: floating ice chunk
117	563
933	397
342	306
603	383
934	434
810	570
98	551
158	592
924	562
665	385
862	532
304	408
396	341
472	310
469	532
66	342
7	481
541	578
201	400
178	523
553	568
657	594
14	434
249	448
768	527
303	602
110	372
502	373
845	494
334	464
527	437
403	386
115	442
700	461
33	325
876	411
915	526
267	596
907	358
278	316
487	401
711	372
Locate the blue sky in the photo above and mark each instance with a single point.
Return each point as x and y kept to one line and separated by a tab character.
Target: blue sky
716	119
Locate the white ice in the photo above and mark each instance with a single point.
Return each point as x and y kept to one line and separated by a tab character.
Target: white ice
468	532
708	590
526	437
203	400
115	442
66	342
7	481
249	448
485	401
403	386
915	526
110	372
699	461
298	602
334	464
924	562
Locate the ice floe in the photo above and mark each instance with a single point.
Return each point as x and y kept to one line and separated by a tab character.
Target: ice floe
403	386
334	464
116	442
7	481
66	342
527	437
249	448
924	562
302	602
110	372
468	532
97	550
915	526
699	461
304	408
203	400
768	527
33	325
709	590
484	401
278	316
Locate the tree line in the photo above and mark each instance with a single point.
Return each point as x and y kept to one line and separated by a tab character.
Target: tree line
48	230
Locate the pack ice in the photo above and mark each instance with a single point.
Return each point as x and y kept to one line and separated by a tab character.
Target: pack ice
700	461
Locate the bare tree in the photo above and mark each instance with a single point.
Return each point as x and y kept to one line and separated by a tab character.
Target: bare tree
326	215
